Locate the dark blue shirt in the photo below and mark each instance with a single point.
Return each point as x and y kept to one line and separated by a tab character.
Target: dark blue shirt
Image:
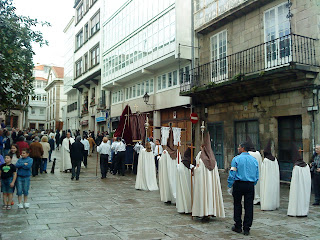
244	167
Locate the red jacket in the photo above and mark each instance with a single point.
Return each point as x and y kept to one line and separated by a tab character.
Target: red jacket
22	145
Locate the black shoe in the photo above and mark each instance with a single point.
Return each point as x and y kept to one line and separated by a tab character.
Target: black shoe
246	232
45	171
122	174
72	178
77	179
237	230
316	204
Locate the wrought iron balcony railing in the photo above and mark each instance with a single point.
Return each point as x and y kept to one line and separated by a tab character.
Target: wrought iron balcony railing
283	51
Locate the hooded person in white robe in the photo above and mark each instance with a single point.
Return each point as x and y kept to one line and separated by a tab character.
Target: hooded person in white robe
183	203
168	172
146	175
256	154
269	181
300	186
65	163
207	195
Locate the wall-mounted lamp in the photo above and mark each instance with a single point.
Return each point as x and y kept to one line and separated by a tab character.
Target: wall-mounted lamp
146	99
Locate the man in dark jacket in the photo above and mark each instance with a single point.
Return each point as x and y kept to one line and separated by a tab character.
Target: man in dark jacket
76	154
51	143
36	152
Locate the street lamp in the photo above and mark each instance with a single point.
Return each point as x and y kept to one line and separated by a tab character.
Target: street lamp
146	99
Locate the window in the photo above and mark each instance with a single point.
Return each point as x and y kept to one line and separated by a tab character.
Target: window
38	97
95	23
79	39
85	67
86	32
247	128
79	12
95	56
276	36
33	111
39	84
87	5
218	49
117	97
175	78
139	89
41	111
44	97
167	80
79	67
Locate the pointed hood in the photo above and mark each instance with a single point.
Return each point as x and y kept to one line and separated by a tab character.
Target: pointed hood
171	148
207	155
250	144
296	156
267	152
186	159
123	130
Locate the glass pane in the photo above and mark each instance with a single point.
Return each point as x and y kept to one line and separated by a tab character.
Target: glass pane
164	81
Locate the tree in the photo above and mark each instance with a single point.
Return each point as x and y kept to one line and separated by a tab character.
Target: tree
16	56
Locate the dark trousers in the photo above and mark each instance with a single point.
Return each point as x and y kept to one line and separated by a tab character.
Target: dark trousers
316	187
104	164
245	189
35	166
113	161
85	158
135	162
120	163
156	162
76	167
43	166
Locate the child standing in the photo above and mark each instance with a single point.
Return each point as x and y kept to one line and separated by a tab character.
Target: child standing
8	178
24	165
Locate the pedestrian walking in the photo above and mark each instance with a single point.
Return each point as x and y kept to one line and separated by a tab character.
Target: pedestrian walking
51	143
105	150
315	170
243	176
92	143
76	154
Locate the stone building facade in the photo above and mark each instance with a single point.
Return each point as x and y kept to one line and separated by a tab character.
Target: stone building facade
258	76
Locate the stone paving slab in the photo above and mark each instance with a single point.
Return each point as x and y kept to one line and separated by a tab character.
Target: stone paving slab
111	208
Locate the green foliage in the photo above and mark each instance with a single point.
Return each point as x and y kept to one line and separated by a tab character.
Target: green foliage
16	55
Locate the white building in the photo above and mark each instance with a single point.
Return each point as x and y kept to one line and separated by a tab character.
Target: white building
56	98
71	113
142	43
87	70
36	115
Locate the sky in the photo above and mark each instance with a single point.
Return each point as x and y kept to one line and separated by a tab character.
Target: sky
58	13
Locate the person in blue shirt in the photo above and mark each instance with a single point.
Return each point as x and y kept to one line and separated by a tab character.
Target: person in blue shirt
243	175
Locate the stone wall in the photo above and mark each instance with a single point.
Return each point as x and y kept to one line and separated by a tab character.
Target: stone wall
265	109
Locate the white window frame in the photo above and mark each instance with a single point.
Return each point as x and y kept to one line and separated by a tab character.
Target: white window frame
219	60
273	58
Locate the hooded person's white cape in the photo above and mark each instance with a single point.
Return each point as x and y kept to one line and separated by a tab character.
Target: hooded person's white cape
183	203
146	175
300	190
167	177
257	156
270	185
65	154
207	194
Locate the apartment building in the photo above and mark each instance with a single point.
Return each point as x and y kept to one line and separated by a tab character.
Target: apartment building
258	76
56	98
36	115
145	46
86	65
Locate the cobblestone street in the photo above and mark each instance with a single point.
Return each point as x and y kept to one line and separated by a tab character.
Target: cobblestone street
111	208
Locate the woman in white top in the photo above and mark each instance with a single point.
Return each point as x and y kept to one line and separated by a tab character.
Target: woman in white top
46	149
14	152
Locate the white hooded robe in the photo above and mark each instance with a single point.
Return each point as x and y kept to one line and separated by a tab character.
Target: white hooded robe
257	156
65	154
183	204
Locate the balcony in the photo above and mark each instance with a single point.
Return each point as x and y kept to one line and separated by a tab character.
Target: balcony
101	103
283	64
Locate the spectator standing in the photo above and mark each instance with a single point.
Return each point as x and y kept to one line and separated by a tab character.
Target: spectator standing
23	165
7	142
1	142
45	155
3	125
8	178
22	144
105	150
315	170
121	157
58	138
51	143
15	153
36	152
86	145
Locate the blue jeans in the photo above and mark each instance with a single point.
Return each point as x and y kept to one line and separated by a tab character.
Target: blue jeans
23	185
43	166
5	185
